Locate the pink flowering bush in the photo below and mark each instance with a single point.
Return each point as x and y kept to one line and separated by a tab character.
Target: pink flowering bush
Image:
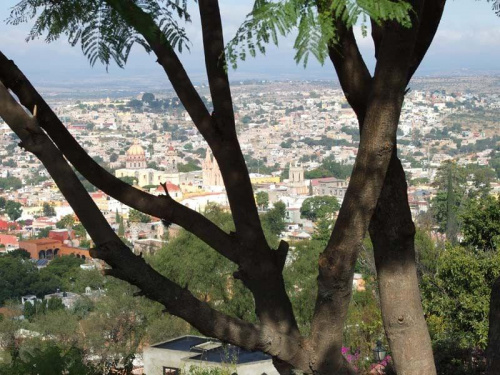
382	366
366	366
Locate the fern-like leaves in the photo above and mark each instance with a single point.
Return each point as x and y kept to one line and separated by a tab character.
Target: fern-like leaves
315	29
496	6
103	35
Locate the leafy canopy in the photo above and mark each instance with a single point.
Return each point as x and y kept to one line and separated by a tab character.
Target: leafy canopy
104	36
269	20
481	223
100	30
319	207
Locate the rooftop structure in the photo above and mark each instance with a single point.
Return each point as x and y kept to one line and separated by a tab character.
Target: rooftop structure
170	357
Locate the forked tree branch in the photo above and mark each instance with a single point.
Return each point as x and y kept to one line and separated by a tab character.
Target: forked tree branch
220	135
378	141
162	207
125	265
430	19
354	77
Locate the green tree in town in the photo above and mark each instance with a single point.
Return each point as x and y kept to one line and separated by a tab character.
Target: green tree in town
48	210
17	277
48	359
67	221
319	207
186	260
13	210
19	253
148	97
138	217
262	199
44	232
451	184
456	297
273	221
10	183
481	223
330	168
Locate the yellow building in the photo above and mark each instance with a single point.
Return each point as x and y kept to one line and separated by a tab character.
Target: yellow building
257	179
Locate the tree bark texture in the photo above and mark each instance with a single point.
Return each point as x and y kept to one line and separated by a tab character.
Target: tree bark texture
376	199
392	232
391	229
493	350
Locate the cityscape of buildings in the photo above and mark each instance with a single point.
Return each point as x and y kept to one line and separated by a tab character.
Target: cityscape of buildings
286	130
299	139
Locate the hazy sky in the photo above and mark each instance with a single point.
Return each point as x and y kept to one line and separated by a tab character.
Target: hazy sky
468	40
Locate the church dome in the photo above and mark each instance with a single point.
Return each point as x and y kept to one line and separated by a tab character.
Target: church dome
136	149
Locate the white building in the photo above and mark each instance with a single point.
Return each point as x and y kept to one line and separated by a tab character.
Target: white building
173	356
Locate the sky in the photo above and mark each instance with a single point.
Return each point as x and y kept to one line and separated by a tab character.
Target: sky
467	42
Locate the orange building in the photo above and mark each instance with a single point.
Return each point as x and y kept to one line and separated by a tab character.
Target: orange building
46	248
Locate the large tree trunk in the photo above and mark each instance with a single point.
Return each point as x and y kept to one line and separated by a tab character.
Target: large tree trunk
392	232
493	351
391	228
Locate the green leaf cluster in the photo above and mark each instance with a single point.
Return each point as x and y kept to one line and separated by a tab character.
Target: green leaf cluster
481	223
456	297
10	183
208	275
319	207
314	22
19	276
273	222
138	217
330	168
48	359
98	28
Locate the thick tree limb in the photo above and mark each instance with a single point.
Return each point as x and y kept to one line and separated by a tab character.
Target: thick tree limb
354	77
430	19
393	233
220	135
393	236
378	141
145	25
161	207
131	268
213	46
34	139
261	269
226	147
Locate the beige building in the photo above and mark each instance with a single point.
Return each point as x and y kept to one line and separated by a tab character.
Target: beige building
211	171
296	183
136	167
